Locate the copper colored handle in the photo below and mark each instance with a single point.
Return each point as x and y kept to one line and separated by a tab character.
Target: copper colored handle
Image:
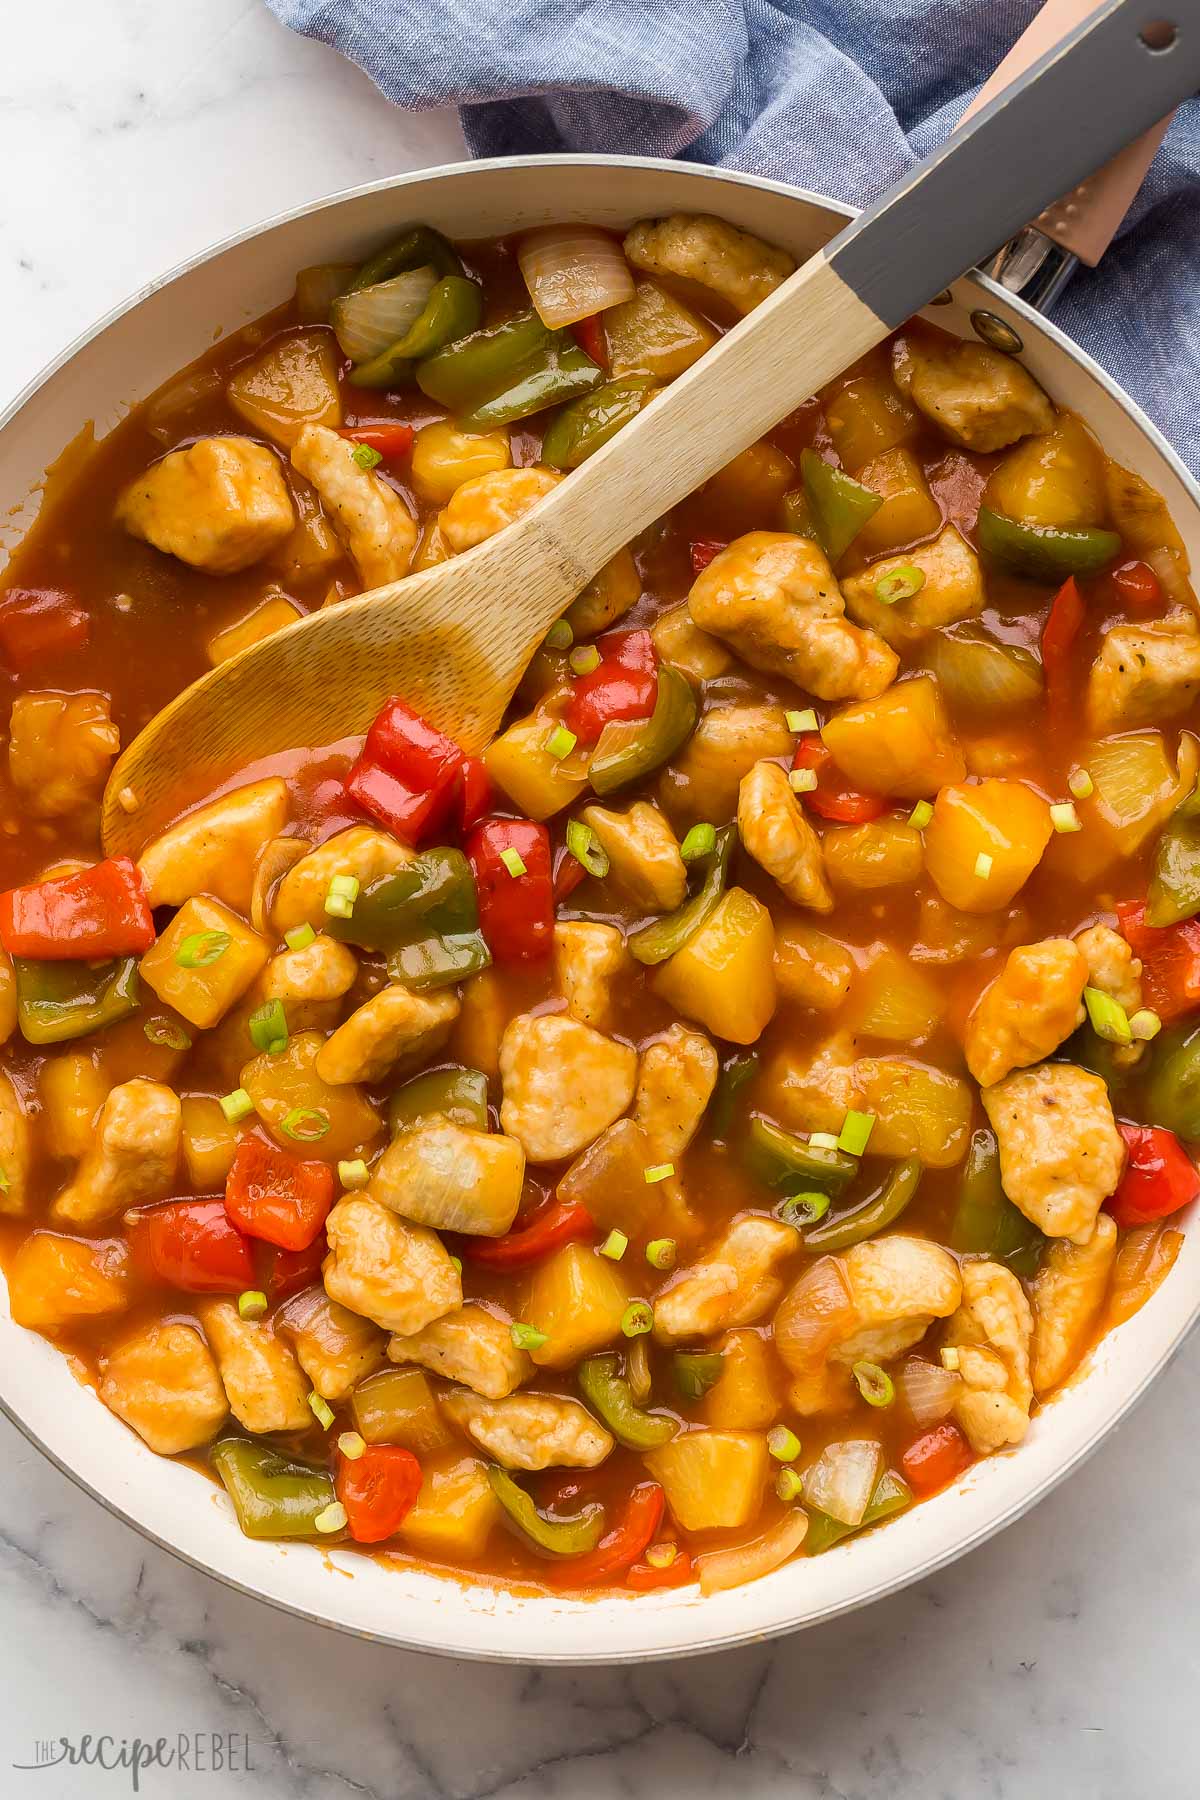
1086	220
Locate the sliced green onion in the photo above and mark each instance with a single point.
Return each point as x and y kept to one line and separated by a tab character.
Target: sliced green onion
701	840
789	1486
783	1444
331	1518
637	1319
321	1410
874	1384
856	1132
513	862
167	1033
920	815
236	1106
823	1140
560	636
353	1174
658	1172
351	1445
299	937
983	866
1080	784
561	742
1063	817
584	658
269	1028
200	948
949	1358
252	1304
586	848
343	892
801	1210
901	584
457	1261
802	721
304	1124
3	1180
526	1337
661	1556
366	456
802	781
1108	1017
615	1245
660	1253
1144	1024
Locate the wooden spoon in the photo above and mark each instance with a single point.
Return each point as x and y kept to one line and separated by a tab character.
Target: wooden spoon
455	639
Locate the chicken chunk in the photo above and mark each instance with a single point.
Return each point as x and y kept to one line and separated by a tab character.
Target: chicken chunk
213	850
607	597
486	504
774	597
1061	1154
734	1284
60	748
308	982
899	1286
1068	1292
264	1384
589	959
335	1347
563	1083
675	1084
399	1275
778	836
704	779
368	515
1144	674
976	396
741	269
16	1152
361	851
530	1431
471	1346
164	1383
991	1331
952	590
394	1026
643	854
1112	966
133	1159
1028	1010
452	1178
219	505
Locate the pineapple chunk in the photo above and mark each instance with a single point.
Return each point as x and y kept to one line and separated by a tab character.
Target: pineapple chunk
724	976
984	841
713	1480
909	510
520	762
867	416
811	968
895	999
290	384
444	456
204	961
56	1281
747	1396
262	621
288	1084
1056	479
919	1110
577	1298
747	491
455	1511
397	1406
438	1174
654	334
209	1143
72	1090
900	743
486	1012
882	853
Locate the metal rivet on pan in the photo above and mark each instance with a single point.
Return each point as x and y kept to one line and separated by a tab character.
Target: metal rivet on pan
997	333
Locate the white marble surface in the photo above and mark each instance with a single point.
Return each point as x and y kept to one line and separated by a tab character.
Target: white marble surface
1058	1662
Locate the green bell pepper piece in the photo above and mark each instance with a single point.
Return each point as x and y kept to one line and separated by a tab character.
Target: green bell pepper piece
425	917
874	1215
791	1164
736	1073
891	1495
460	1094
654	943
986	1223
554	1537
438	961
1045	552
839	505
60	1000
627	750
608	1393
506	372
1174	891
578	431
1172	1090
273	1496
454	308
697	1371
421	245
796	513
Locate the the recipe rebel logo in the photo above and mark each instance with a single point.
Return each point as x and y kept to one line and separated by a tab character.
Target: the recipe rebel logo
187	1753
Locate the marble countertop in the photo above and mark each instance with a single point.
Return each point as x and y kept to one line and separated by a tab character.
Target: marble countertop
1058	1661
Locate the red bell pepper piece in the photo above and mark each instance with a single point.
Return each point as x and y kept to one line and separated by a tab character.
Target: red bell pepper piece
1061	629
934	1459
408	775
516	911
592	338
833	797
475	787
1137	584
1159	1177
644	1577
100	912
555	1223
622	1546
391	441
702	551
281	1273
377	1490
39	622
568	873
191	1244
1170	960
624	685
270	1194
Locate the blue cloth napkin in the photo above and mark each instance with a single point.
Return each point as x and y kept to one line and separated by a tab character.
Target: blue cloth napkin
837	95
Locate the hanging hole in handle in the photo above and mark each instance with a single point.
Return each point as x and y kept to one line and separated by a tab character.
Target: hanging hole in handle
1160	35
